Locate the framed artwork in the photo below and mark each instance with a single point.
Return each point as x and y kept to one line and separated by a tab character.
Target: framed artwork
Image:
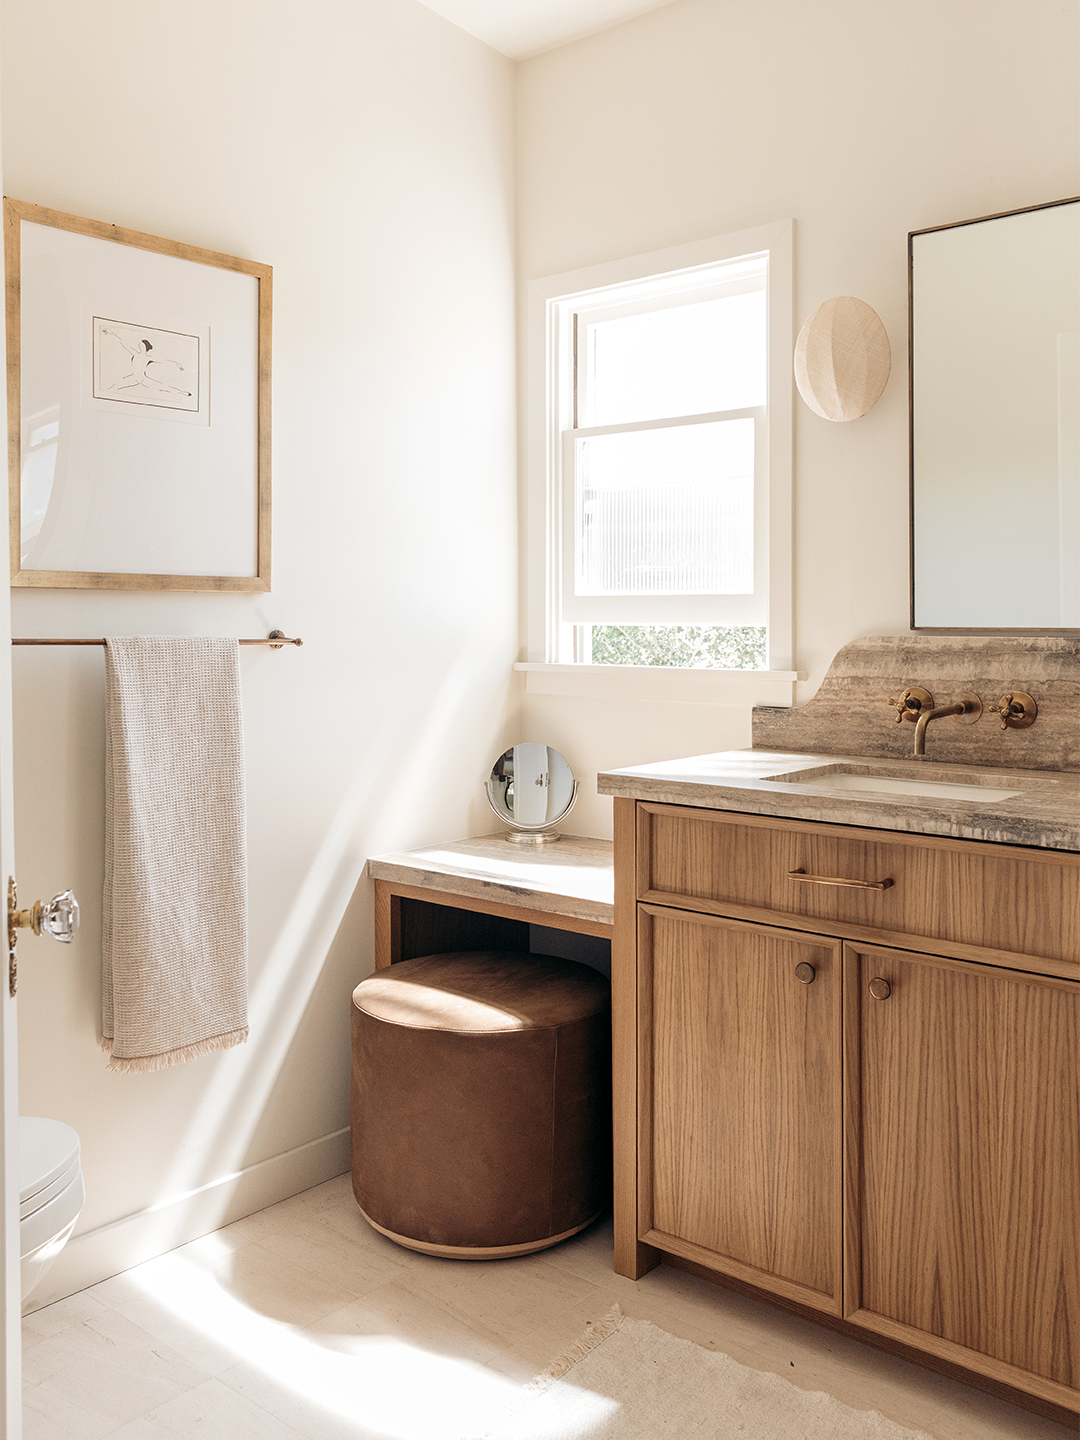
138	409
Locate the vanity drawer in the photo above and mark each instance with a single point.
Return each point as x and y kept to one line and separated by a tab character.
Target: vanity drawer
959	894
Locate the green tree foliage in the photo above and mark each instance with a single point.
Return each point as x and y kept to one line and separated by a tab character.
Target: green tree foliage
689	647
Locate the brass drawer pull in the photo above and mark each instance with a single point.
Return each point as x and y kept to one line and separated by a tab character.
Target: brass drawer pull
837	880
880	989
805	973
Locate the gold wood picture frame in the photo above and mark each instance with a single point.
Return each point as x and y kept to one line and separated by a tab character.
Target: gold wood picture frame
138	375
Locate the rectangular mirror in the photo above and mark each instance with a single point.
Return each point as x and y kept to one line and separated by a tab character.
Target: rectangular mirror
995	422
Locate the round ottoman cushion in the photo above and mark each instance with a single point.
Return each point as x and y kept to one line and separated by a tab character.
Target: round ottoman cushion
481	1089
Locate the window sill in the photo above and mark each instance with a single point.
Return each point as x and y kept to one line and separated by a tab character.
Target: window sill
662	683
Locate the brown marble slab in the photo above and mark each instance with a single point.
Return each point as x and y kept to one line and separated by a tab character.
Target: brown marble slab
849	715
1045	813
573	876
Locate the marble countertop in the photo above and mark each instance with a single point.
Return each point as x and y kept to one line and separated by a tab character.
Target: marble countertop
572	876
1045	812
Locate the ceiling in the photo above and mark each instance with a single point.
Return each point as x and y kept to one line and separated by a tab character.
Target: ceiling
524	27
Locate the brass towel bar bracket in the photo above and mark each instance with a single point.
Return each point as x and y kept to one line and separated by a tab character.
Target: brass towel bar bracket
276	639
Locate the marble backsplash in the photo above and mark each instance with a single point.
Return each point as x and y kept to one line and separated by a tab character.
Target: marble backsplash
850	716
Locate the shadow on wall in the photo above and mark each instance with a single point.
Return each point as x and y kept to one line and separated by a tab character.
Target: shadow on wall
377	802
233	1114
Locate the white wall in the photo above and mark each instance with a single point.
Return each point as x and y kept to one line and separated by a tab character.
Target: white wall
364	148
862	121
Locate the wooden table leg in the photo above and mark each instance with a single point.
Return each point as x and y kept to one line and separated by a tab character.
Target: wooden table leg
387	926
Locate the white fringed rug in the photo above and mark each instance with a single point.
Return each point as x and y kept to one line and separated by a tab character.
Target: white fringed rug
627	1380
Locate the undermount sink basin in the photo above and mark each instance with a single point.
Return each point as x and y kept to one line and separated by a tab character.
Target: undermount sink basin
848	777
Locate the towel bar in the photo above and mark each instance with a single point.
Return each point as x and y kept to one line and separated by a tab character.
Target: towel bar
276	639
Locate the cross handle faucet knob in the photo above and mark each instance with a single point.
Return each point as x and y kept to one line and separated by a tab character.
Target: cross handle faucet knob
1017	710
912	702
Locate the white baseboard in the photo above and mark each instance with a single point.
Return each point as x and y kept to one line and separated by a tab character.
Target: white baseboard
135	1238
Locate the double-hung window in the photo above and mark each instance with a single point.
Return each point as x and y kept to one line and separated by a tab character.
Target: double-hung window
660	459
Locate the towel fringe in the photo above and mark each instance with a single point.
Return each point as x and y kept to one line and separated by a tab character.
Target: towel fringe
143	1064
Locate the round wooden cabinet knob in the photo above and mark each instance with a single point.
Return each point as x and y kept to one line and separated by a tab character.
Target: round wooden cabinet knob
880	989
805	973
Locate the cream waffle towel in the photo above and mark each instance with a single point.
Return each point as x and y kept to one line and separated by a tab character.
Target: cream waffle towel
174	926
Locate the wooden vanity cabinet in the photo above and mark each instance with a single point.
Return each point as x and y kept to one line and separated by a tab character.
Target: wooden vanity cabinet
742	1065
907	1165
964	1153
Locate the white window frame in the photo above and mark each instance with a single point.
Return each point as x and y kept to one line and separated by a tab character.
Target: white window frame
552	303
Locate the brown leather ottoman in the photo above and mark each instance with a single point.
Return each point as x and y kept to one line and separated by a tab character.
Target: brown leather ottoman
481	1115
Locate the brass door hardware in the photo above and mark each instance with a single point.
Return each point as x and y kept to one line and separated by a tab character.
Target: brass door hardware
837	880
912	702
59	919
880	989
1017	710
806	973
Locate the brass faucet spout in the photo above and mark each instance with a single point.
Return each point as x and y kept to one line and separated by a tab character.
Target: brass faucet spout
924	721
967	705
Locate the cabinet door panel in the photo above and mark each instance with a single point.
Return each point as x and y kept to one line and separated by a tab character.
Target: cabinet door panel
742	1113
967	1133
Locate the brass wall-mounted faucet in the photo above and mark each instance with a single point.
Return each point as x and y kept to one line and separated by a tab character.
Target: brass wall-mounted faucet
965	704
917	705
1017	710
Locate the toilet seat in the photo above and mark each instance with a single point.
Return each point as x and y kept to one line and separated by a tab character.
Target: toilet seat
48	1156
51	1190
33	1203
54	1221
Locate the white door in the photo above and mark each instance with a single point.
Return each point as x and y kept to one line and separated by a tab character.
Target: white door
10	1343
10	1286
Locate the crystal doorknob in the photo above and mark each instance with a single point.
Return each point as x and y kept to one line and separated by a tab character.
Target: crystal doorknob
59	919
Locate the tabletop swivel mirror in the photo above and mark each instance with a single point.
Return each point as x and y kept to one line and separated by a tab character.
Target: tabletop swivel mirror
531	788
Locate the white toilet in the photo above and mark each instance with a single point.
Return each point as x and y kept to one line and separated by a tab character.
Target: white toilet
51	1194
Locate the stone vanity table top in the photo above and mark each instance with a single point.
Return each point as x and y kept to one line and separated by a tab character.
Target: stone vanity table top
574	876
1046	812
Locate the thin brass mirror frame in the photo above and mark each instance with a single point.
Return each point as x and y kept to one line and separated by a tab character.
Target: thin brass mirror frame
18	210
954	629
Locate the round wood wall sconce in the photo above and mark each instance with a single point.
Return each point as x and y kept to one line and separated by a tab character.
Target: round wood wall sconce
842	359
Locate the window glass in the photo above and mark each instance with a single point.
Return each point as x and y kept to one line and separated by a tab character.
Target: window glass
689	647
667	511
690	359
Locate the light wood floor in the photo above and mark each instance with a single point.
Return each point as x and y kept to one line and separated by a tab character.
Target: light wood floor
302	1321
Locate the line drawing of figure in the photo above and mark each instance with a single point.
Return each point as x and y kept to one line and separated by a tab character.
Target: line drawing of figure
137	377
